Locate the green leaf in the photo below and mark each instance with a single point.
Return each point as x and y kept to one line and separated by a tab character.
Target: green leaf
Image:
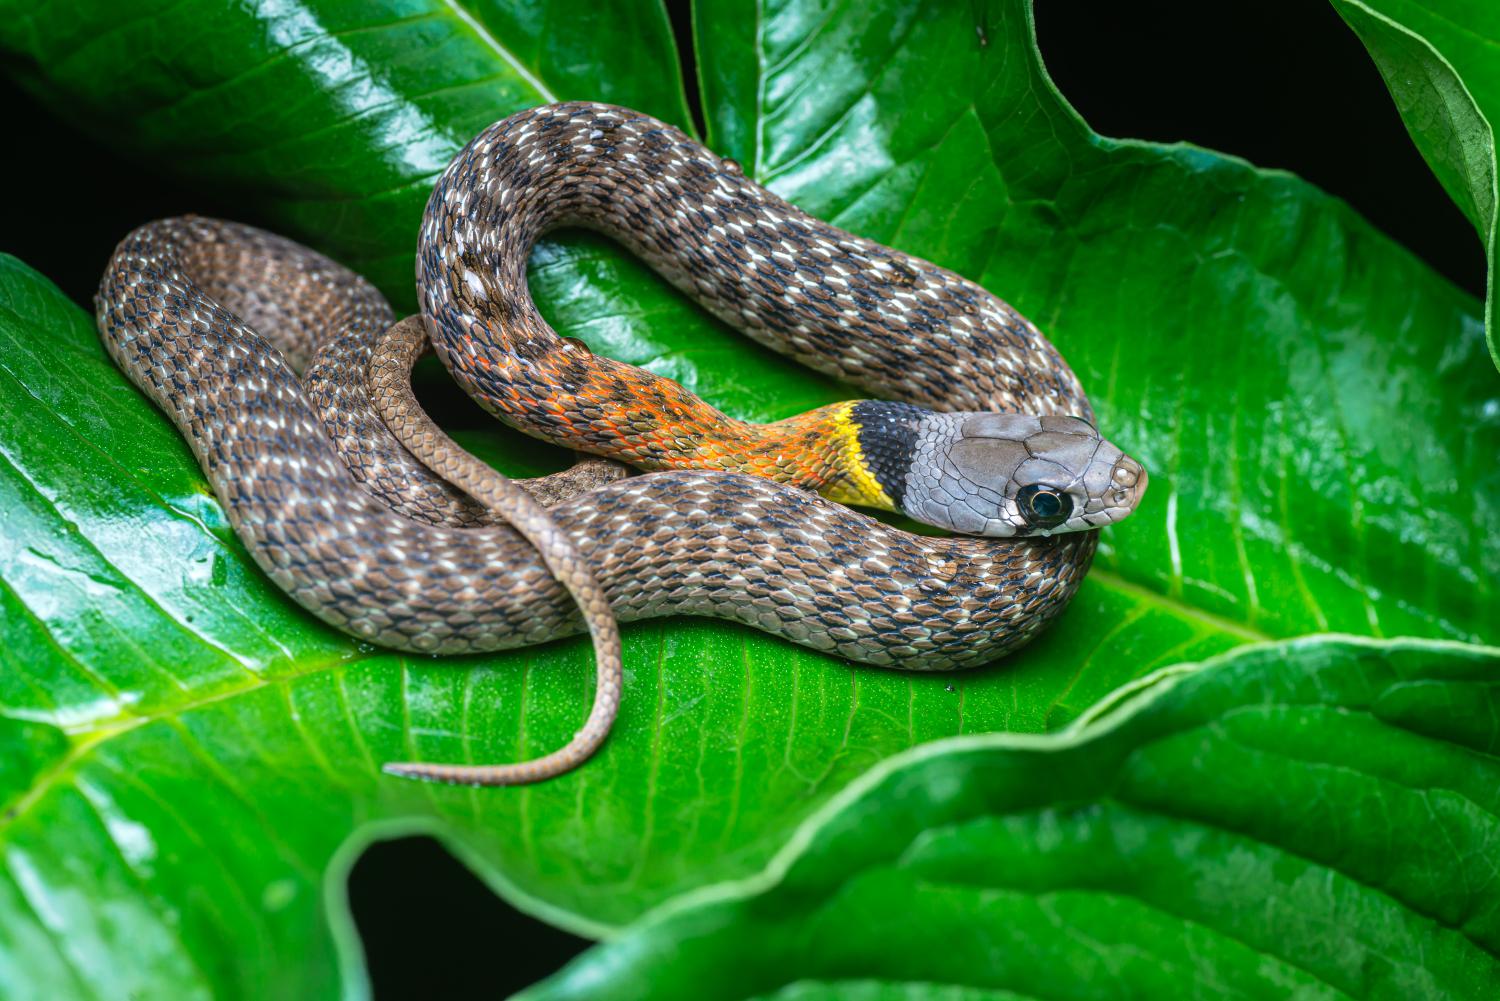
1438	60
1313	403
1311	819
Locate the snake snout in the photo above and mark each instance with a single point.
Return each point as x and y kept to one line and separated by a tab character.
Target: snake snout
1114	484
1128	483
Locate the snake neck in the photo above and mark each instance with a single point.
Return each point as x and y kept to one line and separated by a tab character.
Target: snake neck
855	452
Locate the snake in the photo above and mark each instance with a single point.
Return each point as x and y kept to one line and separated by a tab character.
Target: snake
289	377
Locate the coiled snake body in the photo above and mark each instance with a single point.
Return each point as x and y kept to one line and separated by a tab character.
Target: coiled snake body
209	318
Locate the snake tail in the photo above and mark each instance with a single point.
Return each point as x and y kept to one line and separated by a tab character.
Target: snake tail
390	377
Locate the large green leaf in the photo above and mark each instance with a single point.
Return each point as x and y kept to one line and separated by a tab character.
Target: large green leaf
1317	819
1438	59
1307	820
1313	403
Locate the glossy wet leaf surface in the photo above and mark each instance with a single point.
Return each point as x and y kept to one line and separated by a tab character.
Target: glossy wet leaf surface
1316	408
1438	59
1309	820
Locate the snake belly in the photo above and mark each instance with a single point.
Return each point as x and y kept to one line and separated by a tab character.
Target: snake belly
210	319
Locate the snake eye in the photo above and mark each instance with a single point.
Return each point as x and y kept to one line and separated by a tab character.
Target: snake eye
1043	507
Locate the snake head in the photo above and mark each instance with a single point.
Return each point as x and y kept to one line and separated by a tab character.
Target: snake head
1012	475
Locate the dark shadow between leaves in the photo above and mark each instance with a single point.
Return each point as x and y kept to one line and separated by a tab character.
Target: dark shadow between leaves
431	928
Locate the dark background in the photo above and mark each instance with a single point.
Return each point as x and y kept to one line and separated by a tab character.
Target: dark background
1283	83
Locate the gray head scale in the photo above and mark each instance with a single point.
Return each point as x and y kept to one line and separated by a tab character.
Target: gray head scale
1011	475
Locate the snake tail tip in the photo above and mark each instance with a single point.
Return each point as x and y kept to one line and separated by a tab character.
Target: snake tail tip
410	770
455	775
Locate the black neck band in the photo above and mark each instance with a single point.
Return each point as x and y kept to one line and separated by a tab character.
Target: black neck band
887	440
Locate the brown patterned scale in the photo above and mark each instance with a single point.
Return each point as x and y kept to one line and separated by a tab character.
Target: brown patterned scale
211	319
